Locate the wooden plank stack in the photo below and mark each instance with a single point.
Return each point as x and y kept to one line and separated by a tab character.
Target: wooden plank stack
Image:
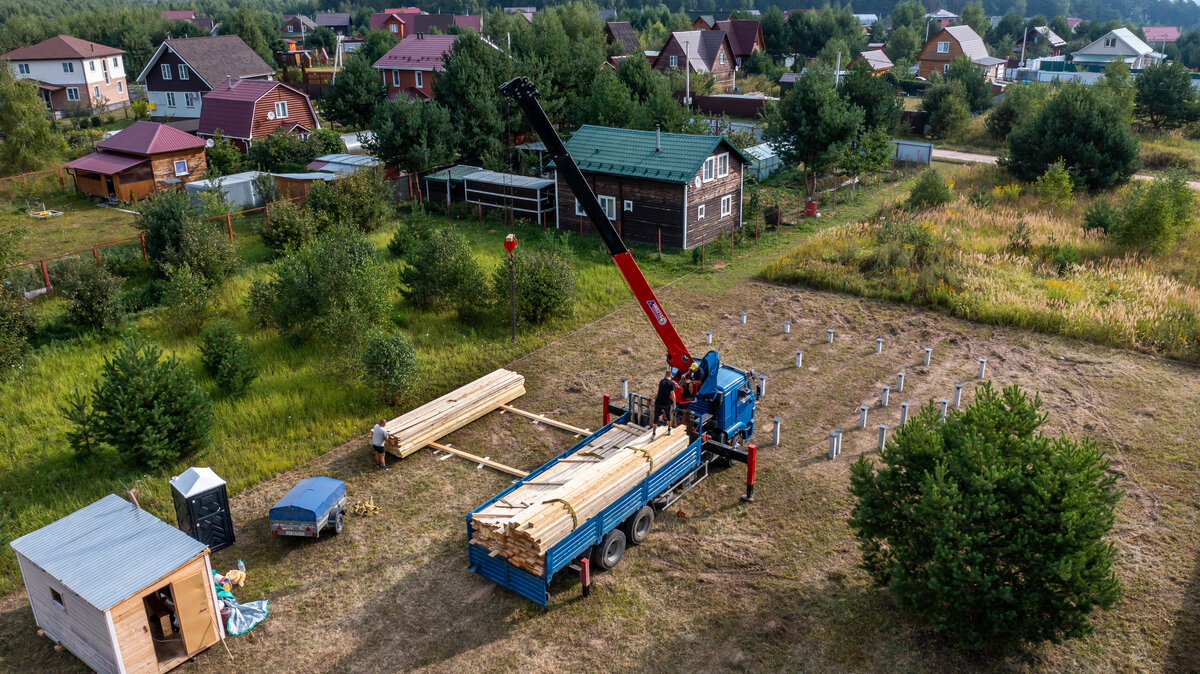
417	428
524	524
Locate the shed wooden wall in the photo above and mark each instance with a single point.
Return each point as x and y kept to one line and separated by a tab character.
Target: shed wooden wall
657	205
77	625
164	166
709	194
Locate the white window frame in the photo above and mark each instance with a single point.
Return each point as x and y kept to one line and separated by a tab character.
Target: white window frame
700	212
721	58
175	165
280	109
628	206
170	99
22	68
722	164
943	47
579	209
116	61
945	68
419	78
674	61
189	100
183	72
165	69
708	173
1110	42
68	67
291	28
393	28
726	205
396	78
72	93
120	87
610	206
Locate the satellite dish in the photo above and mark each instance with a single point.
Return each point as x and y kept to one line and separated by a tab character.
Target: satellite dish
270	115
209	143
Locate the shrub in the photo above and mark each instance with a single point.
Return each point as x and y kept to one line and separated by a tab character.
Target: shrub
144	296
226	357
1065	257
260	302
212	201
16	318
289	228
188	298
146	407
223	157
1155	213
446	276
946	522
1020	240
1054	186
946	103
206	249
411	233
1102	216
123	261
362	200
545	285
389	364
1020	102
139	109
264	187
930	191
161	217
93	293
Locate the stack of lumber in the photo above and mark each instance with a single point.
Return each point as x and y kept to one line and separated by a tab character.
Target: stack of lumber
529	520
425	424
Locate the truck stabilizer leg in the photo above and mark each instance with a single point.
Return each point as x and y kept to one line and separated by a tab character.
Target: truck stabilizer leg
607	398
751	454
585	575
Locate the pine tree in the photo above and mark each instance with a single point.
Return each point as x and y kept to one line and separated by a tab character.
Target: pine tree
352	99
812	124
468	89
414	136
1165	98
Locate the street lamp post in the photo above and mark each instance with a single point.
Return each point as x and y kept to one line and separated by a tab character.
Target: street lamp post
510	244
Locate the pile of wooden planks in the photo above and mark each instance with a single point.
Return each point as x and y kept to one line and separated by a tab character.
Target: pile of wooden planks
425	424
524	524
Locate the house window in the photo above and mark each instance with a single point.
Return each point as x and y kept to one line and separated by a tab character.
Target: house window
721	58
722	165
96	91
579	209
183	72
726	206
120	87
420	79
68	67
674	61
943	48
170	99
291	28
392	27
610	206
72	93
396	78
181	168
116	62
1110	42
709	166
189	99
945	68
700	212
166	71
92	66
280	109
56	597
628	206
22	68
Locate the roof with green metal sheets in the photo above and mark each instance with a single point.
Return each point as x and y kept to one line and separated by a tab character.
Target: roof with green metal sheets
629	152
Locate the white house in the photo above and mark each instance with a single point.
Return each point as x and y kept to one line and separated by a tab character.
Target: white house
73	73
1118	44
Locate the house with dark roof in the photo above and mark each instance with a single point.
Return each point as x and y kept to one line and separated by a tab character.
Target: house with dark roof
942	17
338	22
295	26
73	73
1035	38
247	110
949	44
182	70
143	158
702	52
410	68
189	16
704	22
621	33
677	189
745	37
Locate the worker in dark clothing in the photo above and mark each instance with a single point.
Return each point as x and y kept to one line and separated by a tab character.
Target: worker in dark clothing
664	403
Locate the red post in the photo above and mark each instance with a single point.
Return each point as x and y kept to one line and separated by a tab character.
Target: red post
95	253
751	455
46	277
410	190
585	575
660	244
144	256
229	226
60	179
607	397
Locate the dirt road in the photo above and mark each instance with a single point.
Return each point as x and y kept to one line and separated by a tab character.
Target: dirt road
719	585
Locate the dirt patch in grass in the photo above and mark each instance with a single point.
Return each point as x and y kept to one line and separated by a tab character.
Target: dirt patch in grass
724	586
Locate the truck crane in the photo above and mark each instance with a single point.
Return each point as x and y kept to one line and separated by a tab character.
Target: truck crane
720	419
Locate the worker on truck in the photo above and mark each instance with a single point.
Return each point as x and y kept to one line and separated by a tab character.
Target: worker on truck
664	403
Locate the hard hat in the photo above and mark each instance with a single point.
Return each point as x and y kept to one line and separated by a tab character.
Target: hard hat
695	366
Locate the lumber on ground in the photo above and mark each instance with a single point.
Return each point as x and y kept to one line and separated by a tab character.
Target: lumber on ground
479	459
419	427
536	515
546	420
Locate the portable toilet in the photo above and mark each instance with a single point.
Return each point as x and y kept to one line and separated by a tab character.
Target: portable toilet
202	507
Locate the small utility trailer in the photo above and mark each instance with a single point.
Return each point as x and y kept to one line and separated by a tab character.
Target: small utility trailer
313	504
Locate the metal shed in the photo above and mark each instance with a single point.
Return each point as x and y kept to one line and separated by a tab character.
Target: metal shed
343	163
356	142
239	189
202	507
121	589
913	152
508	191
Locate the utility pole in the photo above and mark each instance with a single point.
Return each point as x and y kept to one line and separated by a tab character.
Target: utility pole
687	77
837	70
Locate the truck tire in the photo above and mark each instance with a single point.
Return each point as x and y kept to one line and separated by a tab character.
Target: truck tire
338	522
737	442
608	554
637	527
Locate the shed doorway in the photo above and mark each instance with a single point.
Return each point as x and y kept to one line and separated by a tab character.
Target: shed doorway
179	618
163	621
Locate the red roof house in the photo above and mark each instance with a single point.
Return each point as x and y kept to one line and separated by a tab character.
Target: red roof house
1160	34
247	110
392	20
745	37
410	67
178	14
143	158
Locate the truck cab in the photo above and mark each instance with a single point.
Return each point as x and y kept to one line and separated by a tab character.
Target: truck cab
725	404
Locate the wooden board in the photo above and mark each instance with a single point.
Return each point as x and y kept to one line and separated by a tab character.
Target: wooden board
419	427
479	459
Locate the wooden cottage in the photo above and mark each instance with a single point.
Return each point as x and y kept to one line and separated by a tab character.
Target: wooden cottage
621	33
183	71
677	188
950	44
293	185
702	52
249	110
144	157
121	589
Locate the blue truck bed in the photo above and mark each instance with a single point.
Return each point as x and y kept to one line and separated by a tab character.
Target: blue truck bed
309	501
536	588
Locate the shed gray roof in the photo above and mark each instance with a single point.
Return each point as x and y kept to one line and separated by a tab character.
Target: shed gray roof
508	180
107	551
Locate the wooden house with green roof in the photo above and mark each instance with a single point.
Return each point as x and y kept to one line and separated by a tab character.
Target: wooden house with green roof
677	188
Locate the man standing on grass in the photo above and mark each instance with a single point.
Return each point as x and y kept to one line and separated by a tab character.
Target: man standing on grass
379	436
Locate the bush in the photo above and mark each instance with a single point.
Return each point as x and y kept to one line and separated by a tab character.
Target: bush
1065	258
93	293
1102	216
188	298
389	365
949	113
930	191
161	217
1054	186
1156	213
362	200
207	249
226	357
545	285
411	233
447	275
260	302
289	228
144	296
146	407
16	318
1020	102
947	524
123	261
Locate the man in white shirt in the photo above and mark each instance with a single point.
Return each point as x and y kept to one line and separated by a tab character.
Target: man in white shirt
379	436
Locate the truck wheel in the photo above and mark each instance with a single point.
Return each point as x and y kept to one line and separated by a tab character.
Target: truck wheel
610	551
637	527
338	523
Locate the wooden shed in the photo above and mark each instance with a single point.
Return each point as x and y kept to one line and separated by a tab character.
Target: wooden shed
121	589
532	197
144	157
291	185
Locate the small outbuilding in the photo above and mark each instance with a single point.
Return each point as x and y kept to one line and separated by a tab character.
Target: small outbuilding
239	189
291	185
202	507
450	180
763	161
121	589
523	195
